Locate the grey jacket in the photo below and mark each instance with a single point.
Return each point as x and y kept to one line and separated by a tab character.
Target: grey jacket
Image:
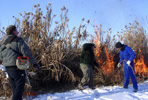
13	47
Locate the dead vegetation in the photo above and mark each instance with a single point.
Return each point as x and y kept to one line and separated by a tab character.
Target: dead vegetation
54	45
57	50
4	85
108	56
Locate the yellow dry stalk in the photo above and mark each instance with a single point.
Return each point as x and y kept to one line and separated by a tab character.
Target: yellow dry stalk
51	47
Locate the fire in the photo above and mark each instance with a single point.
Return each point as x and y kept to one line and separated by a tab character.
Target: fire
107	64
106	60
140	66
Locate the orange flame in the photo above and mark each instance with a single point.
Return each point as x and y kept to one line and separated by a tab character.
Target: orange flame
107	63
140	66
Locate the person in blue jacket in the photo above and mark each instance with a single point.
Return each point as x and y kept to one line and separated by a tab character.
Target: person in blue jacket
127	55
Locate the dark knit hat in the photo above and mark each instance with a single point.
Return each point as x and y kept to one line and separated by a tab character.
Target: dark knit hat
10	29
93	45
119	45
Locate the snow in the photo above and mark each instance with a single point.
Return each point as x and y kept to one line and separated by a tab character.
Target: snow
101	93
4	69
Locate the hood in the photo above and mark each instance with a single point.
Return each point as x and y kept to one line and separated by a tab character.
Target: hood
87	46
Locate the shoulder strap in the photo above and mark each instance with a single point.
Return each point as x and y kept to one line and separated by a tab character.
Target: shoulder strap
10	39
8	44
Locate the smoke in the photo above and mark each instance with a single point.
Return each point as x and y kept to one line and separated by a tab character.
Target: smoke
118	13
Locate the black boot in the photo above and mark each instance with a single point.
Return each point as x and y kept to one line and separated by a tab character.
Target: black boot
125	87
135	90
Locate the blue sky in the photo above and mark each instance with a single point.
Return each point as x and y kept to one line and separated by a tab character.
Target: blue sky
113	14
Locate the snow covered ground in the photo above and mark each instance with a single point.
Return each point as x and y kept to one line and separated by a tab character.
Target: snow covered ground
101	93
4	69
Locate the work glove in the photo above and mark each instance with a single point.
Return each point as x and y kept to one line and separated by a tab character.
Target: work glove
128	62
119	65
36	65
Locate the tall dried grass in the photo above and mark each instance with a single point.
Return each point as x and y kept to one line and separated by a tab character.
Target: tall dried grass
134	36
54	45
57	48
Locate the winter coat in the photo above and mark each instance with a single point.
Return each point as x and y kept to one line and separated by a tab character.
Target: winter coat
127	54
87	55
13	47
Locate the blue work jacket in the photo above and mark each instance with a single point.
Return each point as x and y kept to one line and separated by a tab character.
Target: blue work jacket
127	54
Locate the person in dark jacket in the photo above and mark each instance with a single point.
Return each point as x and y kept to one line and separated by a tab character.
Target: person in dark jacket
87	62
11	48
127	55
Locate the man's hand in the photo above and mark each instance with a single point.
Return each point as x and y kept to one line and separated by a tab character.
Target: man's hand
36	65
119	65
128	62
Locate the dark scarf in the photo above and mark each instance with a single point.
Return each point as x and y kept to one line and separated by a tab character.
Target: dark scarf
123	47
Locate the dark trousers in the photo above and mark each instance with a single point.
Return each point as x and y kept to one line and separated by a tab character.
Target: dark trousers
87	75
17	80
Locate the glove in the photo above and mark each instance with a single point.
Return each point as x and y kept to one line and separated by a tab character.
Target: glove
119	65
128	62
36	65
